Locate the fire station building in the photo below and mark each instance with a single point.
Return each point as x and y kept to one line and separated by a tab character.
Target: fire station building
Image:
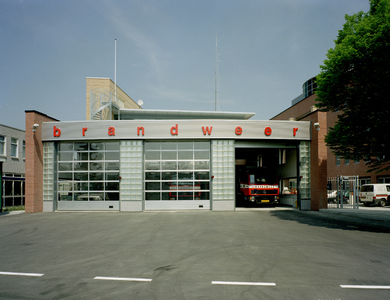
124	158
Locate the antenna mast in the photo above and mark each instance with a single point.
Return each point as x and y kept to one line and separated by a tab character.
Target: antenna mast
216	71
115	71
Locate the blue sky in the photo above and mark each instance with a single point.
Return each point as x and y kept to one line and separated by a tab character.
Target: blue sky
165	52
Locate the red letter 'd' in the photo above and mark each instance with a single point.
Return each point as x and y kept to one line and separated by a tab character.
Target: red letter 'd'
111	130
295	131
56	132
238	130
140	129
267	131
175	130
207	130
84	130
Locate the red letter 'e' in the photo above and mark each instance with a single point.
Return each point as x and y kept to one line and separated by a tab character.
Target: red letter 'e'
238	130
267	131
56	132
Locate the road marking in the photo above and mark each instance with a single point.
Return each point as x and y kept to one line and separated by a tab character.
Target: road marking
122	278
21	274
382	287
244	283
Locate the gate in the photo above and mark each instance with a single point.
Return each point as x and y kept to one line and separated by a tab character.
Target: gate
343	192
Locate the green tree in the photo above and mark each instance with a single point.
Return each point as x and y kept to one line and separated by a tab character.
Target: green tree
355	81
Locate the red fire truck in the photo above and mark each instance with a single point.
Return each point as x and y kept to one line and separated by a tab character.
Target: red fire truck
259	187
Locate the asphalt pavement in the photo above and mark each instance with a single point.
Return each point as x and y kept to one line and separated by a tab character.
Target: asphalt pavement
272	253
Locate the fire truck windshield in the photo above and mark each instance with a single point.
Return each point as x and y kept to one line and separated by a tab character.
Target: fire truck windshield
261	179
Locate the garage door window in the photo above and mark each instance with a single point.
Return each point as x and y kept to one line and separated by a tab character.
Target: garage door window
177	170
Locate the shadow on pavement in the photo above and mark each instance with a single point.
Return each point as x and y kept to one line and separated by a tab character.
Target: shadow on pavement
318	219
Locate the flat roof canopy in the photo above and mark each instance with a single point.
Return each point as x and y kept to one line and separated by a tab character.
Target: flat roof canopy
152	114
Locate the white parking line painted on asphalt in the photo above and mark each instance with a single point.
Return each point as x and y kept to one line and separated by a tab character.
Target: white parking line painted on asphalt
122	278
244	283
373	287
21	274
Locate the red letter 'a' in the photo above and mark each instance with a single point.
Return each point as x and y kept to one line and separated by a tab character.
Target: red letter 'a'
207	130
111	130
56	132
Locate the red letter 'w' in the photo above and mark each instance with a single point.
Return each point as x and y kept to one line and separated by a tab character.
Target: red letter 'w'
207	130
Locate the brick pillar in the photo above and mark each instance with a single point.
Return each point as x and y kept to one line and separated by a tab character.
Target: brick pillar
34	161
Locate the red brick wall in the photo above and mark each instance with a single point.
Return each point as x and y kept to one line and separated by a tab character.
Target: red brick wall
34	161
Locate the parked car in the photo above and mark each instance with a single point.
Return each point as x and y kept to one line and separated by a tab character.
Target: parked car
377	193
332	196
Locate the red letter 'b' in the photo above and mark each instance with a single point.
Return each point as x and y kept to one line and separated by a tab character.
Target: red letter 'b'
56	132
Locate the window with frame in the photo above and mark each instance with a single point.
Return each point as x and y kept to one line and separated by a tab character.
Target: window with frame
346	161
88	171
14	147
337	160
24	149
2	145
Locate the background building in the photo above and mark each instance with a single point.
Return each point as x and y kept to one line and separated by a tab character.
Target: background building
12	158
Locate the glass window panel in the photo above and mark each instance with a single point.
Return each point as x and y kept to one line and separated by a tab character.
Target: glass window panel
169	185
80	186
81	146
80	176
96	176
169	155
202	165
80	196
202	185
112	176
96	197
96	146
152	196
186	175
202	154
112	165
168	146
152	155
64	176
79	166
202	145
202	175
185	155
204	195
96	156
152	176
151	165
65	186
66	156
185	185
185	145
65	167
152	146
112	186
185	165
65	196
169	175
81	156
96	186
185	195
169	195
150	186
66	146
112	155
112	145
96	166
169	165
112	196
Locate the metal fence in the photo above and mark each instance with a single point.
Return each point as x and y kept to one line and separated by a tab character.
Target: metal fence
343	192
